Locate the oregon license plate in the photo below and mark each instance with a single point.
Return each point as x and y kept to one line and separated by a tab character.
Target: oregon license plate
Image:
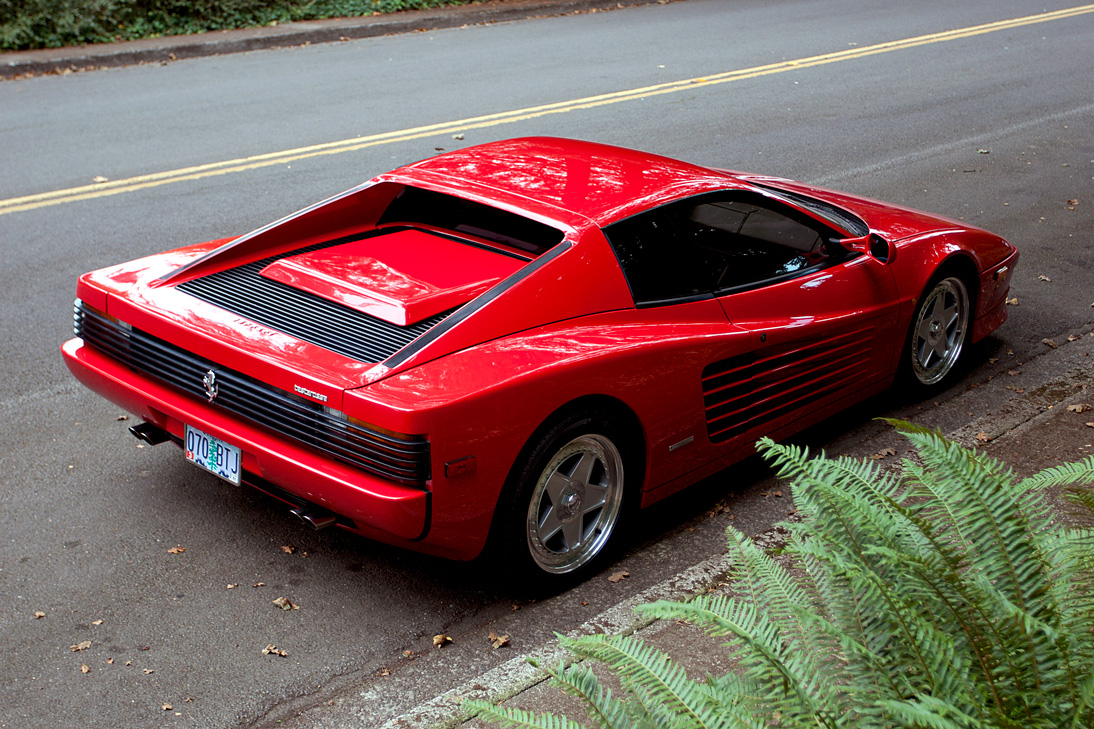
212	454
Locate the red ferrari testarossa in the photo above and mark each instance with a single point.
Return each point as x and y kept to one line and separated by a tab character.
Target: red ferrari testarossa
519	344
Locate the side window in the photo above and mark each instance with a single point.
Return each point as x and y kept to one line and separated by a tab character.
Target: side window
713	243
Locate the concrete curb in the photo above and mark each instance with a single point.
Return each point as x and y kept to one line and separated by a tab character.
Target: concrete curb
21	64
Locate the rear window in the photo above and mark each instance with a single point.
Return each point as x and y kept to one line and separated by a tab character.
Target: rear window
446	212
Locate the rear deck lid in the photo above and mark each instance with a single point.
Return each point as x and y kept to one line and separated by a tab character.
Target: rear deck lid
403	277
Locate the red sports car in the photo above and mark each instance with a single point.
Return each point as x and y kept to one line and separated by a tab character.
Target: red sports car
516	345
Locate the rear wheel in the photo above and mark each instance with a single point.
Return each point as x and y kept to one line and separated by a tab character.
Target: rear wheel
567	501
939	332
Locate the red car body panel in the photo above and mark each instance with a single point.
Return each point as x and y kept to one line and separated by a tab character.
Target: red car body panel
533	332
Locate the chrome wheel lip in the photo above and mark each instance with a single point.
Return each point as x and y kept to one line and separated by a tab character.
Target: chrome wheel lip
596	493
938	332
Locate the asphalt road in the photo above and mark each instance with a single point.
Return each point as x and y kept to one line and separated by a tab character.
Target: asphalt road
993	127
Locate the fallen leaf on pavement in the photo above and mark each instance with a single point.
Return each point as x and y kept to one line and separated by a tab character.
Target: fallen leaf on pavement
232	586
84	668
384	671
167	707
1043	277
97	622
259	584
1079	408
81	646
498	641
457	136
882	454
616	577
983	437
148	671
110	661
1073	337
1013	301
441	640
288	548
100	179
1050	343
271	649
285	603
1090	425
176	550
408	655
39	614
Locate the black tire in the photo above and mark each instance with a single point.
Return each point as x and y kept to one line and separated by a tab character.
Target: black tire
567	502
938	335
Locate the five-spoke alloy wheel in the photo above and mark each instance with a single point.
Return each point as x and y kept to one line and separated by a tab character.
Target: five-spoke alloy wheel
568	499
575	504
939	330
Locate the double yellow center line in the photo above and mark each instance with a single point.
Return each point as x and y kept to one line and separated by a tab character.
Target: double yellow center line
142	182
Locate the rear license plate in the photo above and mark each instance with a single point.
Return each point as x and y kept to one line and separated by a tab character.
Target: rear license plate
212	454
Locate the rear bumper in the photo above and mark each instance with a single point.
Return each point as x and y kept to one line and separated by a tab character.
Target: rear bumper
379	509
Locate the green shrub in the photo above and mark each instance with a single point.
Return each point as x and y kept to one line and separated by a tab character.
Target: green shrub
28	24
941	597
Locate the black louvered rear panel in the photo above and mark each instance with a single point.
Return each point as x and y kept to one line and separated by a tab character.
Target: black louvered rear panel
400	458
743	392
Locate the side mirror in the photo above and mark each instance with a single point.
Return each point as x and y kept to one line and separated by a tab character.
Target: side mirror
872	245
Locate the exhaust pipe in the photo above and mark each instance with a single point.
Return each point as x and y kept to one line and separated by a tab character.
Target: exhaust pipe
316	519
150	434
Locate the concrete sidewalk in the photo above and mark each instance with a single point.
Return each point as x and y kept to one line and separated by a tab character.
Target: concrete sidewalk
20	64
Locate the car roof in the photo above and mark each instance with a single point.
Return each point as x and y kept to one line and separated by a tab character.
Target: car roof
599	182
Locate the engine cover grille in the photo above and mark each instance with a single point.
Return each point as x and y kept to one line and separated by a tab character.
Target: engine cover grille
403	459
350	333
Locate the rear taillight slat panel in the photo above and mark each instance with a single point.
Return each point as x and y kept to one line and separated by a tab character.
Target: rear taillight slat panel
403	459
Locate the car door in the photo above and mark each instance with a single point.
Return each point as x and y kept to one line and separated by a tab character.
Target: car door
819	320
823	319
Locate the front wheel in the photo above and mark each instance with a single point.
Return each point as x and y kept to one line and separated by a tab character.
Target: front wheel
938	333
566	502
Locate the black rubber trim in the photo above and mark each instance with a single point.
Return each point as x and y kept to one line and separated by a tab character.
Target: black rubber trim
428	518
474	305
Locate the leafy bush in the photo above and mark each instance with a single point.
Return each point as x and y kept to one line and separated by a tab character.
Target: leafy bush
941	597
53	23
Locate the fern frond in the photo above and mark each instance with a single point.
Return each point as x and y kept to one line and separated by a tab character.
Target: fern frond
649	674
1079	472
515	718
787	675
930	712
604	710
772	588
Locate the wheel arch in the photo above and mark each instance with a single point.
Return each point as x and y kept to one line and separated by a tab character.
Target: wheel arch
629	421
961	265
635	450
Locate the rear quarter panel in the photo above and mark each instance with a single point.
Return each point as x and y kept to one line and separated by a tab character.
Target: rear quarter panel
487	401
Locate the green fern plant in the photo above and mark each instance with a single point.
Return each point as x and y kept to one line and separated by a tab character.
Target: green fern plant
942	597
